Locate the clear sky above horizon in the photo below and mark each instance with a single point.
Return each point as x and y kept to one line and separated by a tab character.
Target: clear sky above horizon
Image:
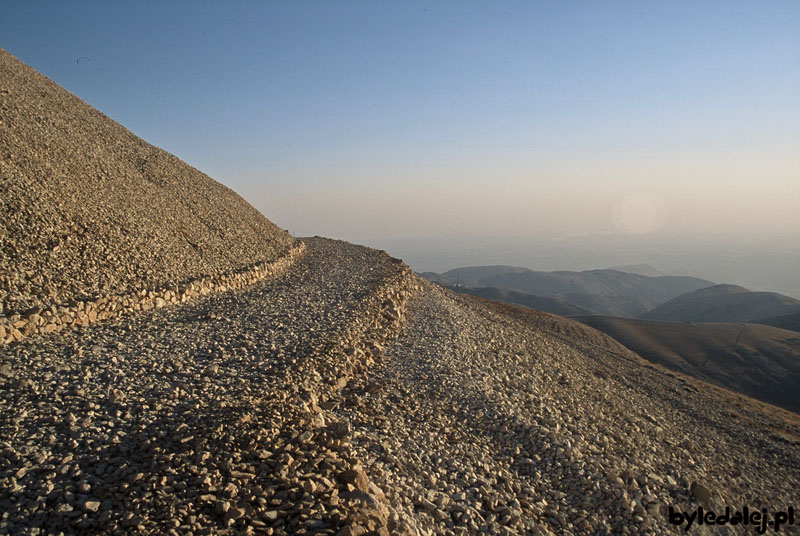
674	122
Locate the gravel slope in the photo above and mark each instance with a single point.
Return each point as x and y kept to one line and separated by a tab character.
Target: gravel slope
341	396
483	423
88	208
320	403
208	421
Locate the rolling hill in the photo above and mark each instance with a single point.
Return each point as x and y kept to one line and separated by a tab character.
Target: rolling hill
724	303
760	361
640	269
549	305
790	321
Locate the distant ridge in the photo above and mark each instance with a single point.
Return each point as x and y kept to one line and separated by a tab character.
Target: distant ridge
724	303
90	209
610	292
790	321
639	269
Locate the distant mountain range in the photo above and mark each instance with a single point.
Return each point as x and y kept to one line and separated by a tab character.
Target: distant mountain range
641	269
610	292
620	293
551	305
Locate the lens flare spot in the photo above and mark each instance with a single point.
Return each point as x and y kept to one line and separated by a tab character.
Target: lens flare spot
639	214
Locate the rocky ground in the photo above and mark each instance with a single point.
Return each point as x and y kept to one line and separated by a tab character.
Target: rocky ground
347	396
481	421
204	418
339	394
89	209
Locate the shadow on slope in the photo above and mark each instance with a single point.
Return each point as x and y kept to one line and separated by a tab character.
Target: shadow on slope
790	321
540	303
760	361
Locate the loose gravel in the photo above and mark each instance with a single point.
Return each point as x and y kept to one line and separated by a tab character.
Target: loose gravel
89	209
484	423
349	397
341	396
200	418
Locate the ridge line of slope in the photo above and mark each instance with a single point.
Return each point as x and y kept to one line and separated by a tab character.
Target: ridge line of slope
370	511
90	209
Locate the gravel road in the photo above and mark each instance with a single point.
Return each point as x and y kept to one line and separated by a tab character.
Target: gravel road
207	421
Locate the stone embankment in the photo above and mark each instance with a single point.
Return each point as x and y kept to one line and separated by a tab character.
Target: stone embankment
76	314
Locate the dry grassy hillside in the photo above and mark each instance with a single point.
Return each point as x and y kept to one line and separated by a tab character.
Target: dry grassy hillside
88	208
760	361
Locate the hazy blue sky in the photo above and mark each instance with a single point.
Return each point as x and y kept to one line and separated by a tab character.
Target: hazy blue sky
398	123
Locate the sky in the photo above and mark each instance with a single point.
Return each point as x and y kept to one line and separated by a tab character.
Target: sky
456	132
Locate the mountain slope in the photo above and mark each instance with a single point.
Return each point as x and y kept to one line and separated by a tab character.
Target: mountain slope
790	321
600	291
90	209
723	303
760	361
352	398
641	269
207	403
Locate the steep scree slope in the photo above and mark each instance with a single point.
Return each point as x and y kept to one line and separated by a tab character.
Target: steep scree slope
88	208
